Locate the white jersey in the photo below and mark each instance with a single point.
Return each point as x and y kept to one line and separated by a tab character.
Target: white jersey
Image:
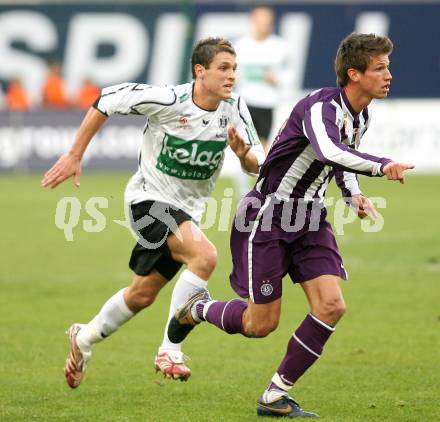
183	145
254	60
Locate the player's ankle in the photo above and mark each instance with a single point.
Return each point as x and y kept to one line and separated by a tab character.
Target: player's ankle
197	310
271	395
88	336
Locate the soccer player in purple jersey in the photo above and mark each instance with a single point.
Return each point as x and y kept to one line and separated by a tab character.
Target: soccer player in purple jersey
280	227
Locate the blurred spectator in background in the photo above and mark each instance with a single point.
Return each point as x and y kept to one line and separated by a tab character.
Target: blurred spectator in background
17	99
87	94
263	69
263	73
54	92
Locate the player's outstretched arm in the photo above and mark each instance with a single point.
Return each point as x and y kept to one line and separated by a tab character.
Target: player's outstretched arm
395	170
69	164
243	151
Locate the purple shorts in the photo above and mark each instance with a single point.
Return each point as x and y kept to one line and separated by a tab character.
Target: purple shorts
262	257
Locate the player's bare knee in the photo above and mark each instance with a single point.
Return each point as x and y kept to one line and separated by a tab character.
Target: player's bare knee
340	310
331	309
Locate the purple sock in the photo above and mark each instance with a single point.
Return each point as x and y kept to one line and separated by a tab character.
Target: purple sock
228	316
304	348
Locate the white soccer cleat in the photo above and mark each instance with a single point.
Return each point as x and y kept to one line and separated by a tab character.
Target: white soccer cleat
172	365
75	367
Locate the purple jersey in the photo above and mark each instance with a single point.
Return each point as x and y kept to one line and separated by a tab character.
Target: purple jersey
270	239
319	140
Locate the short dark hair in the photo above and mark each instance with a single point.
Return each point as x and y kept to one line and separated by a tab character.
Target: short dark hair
206	49
257	6
355	52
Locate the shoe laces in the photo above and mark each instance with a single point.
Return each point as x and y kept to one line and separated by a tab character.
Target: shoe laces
177	357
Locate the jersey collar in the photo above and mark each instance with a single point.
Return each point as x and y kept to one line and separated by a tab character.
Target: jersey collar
347	104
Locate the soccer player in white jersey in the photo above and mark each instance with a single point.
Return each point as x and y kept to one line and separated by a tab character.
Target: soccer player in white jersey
264	74
281	227
187	130
263	69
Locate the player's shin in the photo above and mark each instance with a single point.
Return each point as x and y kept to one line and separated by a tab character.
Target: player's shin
112	315
303	349
185	286
228	316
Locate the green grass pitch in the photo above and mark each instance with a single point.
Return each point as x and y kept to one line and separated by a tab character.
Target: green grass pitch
382	363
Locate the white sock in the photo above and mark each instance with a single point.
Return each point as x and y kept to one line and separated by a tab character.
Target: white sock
112	315
274	394
183	290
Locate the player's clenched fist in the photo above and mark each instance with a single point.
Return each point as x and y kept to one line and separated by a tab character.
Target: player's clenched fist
394	171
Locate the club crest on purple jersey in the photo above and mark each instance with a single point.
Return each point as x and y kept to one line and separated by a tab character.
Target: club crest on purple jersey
266	289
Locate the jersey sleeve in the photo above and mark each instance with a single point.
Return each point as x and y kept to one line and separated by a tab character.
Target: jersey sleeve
132	98
348	183
246	129
320	127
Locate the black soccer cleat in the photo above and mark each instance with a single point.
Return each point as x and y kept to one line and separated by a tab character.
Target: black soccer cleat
285	407
183	322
